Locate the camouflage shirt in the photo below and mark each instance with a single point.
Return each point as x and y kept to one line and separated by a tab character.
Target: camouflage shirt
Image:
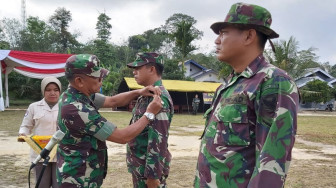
250	130
147	154
82	154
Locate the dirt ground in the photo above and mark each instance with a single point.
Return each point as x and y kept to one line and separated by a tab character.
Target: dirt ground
313	164
14	162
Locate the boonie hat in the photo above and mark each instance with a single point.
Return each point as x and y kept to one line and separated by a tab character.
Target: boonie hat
253	16
85	64
48	80
145	58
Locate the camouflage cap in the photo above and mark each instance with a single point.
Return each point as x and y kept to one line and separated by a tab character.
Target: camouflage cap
145	58
85	64
249	15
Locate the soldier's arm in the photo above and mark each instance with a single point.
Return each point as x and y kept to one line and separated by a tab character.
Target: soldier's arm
157	142
122	136
126	134
125	98
275	132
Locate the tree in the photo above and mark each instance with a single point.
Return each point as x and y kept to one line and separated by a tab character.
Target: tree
155	38
64	41
172	71
289	58
332	71
3	44
181	29
102	48
103	27
11	29
37	36
137	42
317	91
183	38
150	40
172	22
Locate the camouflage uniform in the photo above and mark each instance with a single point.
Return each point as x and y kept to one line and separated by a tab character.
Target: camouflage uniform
250	127
147	154
82	154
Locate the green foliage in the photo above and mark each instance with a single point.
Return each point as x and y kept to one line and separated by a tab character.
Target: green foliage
111	83
183	38
289	58
332	71
10	34
3	43
155	38
172	71
37	36
103	27
150	40
63	39
181	29
173	21
22	87
319	91
137	42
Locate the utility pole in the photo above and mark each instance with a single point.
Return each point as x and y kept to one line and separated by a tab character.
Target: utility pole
23	13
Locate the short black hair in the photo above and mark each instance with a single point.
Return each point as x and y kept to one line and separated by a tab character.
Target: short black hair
158	67
69	76
262	39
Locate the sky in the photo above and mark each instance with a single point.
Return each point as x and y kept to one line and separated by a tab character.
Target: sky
311	22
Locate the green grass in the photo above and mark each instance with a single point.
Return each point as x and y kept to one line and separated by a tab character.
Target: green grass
311	128
182	124
317	129
10	121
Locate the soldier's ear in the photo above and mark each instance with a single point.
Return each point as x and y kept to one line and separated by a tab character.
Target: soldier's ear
153	69
250	36
79	82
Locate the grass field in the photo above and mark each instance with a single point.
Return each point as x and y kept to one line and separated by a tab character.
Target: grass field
303	173
311	128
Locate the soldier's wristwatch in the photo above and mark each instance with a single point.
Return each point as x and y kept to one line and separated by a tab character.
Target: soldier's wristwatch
149	116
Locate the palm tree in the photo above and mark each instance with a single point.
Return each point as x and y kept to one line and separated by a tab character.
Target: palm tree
285	55
289	58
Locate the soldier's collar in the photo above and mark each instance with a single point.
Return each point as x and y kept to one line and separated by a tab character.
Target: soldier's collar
158	83
253	67
79	95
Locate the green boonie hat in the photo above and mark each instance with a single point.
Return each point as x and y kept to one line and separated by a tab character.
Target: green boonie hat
145	58
85	64
249	15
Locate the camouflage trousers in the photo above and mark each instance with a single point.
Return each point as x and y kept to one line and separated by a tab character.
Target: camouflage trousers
140	182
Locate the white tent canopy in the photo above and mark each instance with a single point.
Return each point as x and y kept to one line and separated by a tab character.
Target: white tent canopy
30	64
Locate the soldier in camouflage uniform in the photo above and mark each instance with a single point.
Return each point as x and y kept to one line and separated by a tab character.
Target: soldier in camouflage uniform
251	124
82	154
148	157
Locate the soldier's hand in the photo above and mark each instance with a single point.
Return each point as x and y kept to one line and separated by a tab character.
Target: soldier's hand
150	91
153	183
155	106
